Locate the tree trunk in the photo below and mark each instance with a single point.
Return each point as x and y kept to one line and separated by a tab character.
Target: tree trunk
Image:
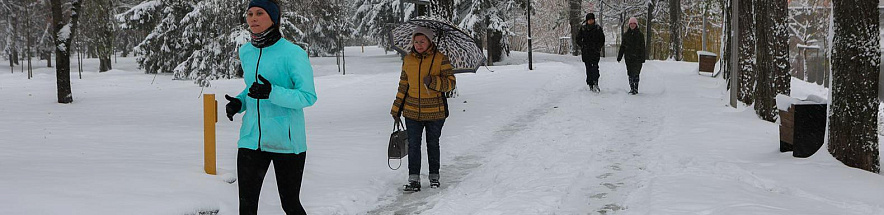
495	50
746	63
726	41
48	59
853	135
576	21
773	57
649	28
105	48
779	42
675	30
62	46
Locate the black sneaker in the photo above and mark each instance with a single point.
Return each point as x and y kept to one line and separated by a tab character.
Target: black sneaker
434	183
412	186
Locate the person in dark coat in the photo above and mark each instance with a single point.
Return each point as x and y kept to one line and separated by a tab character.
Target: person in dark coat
591	40
633	48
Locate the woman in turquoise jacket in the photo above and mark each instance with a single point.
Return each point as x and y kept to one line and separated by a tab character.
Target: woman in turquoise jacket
280	81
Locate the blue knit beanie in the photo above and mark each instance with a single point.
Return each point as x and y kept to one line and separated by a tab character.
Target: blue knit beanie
271	8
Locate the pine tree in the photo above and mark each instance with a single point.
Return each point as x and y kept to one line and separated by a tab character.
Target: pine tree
214	33
99	34
323	25
196	40
488	19
856	59
164	48
372	18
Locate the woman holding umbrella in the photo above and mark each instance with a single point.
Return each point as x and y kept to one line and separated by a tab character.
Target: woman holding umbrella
426	75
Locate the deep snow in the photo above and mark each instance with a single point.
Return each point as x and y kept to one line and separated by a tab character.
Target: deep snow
517	142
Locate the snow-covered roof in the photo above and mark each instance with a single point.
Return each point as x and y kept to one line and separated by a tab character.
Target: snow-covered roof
784	101
802	46
706	53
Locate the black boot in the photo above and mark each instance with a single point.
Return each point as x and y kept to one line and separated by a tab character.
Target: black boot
631	86
434	183
412	186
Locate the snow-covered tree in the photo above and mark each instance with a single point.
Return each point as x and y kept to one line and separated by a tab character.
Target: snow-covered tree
444	9
64	31
488	19
675	51
651	12
324	25
164	48
11	48
576	20
372	18
772	51
746	55
727	36
99	34
856	59
214	33
196	40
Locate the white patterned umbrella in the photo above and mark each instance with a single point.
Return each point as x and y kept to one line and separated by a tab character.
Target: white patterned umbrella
457	45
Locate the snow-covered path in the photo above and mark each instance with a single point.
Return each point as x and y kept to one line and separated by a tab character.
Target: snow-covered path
574	152
517	142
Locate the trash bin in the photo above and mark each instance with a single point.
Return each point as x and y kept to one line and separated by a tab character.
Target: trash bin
802	125
707	61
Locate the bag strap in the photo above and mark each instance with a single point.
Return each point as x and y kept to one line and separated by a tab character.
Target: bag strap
391	166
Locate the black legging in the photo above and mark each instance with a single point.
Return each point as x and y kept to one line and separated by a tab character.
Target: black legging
252	165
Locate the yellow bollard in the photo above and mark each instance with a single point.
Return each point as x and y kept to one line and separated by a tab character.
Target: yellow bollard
210	117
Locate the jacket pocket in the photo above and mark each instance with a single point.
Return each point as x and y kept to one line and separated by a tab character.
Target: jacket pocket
276	135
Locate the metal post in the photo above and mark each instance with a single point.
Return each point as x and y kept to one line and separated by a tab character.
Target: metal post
210	117
530	52
735	72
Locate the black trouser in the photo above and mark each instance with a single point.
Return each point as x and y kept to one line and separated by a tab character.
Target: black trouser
434	130
633	70
251	166
592	73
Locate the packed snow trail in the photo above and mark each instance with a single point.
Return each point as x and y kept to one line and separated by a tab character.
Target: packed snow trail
575	152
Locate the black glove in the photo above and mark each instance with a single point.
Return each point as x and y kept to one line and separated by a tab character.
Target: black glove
233	106
260	91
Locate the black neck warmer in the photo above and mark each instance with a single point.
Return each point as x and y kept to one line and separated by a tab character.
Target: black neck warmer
266	38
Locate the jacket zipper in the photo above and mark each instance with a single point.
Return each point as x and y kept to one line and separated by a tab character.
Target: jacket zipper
260	52
419	94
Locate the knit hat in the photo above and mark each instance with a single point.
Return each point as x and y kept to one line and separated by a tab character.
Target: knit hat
425	31
590	16
633	20
271	8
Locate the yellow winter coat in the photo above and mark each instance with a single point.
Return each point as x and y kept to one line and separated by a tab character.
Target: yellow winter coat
416	100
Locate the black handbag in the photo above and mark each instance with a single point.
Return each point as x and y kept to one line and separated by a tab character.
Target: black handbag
398	147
